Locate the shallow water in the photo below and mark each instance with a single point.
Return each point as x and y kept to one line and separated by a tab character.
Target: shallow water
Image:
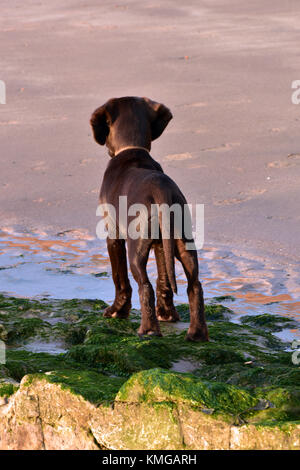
73	264
50	347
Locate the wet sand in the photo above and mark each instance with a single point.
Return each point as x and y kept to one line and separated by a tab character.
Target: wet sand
224	68
75	265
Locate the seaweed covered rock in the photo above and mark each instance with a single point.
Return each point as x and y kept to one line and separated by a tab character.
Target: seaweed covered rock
157	385
213	311
269	322
8	387
155	409
110	389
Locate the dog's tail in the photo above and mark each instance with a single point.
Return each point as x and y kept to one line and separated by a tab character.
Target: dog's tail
168	244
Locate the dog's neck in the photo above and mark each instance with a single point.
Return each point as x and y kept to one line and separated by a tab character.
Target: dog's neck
133	147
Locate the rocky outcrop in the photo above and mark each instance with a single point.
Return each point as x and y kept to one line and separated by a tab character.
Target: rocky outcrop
111	390
44	415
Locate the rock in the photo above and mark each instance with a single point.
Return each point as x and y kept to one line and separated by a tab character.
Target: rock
68	421
269	322
8	387
213	311
111	390
42	416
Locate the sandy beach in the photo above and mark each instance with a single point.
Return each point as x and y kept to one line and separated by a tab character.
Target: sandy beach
71	378
224	68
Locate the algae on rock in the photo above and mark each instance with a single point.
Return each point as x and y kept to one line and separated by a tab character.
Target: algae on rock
113	390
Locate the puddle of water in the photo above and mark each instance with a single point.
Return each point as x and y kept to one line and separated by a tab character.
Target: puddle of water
73	264
51	347
184	366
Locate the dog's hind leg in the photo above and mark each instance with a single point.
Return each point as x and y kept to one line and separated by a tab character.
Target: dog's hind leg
198	328
122	303
165	310
138	251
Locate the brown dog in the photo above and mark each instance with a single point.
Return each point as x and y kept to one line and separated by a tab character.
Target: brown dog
127	126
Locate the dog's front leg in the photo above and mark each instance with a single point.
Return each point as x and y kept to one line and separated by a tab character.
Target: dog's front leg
122	303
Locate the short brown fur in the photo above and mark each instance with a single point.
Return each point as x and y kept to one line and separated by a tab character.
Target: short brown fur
134	122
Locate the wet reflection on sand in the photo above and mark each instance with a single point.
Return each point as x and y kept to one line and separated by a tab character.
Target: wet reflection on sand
74	264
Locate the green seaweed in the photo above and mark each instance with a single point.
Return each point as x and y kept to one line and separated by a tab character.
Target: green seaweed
282	404
123	356
22	329
251	375
243	371
223	298
20	363
158	385
7	389
92	386
70	333
213	312
269	322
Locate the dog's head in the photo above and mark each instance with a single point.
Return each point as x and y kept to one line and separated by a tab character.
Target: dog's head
129	122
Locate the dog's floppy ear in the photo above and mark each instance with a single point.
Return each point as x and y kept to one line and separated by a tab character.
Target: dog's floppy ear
99	124
160	117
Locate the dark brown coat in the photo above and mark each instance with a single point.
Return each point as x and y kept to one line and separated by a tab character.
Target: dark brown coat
127	126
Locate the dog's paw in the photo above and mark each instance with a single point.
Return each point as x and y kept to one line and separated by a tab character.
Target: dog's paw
199	335
147	333
113	312
151	334
170	315
170	318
